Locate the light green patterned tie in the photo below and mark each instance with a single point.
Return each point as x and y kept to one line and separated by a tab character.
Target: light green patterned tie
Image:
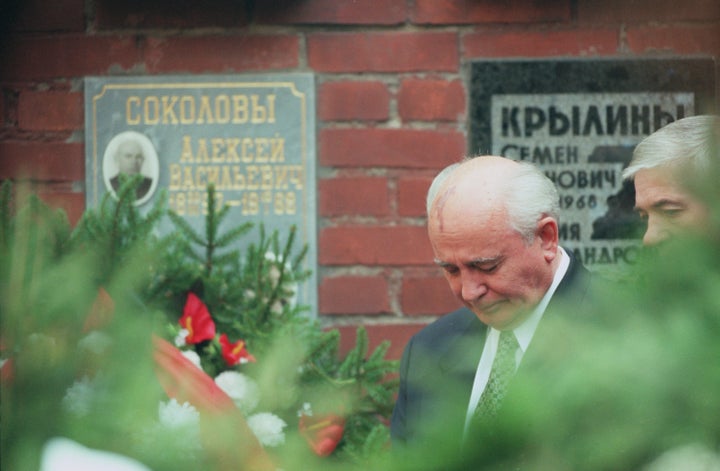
502	370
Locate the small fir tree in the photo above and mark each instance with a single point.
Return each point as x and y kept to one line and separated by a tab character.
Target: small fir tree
249	292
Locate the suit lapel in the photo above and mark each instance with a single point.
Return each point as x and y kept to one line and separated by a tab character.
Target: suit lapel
568	299
462	353
459	362
573	287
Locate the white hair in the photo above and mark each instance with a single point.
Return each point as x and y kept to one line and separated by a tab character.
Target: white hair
689	141
437	183
528	196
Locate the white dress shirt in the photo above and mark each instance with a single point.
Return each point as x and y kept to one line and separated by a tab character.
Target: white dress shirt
523	333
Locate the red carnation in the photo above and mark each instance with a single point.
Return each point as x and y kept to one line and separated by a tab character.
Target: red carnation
197	321
234	353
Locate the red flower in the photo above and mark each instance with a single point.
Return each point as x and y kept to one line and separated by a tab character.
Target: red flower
197	321
234	353
322	433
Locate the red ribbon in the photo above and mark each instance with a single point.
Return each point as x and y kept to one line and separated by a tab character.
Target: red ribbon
225	434
323	433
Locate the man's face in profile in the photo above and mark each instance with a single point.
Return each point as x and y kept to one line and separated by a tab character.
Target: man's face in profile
666	205
129	158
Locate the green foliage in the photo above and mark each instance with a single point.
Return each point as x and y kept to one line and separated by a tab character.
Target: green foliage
251	294
116	228
252	297
47	287
51	276
45	233
637	383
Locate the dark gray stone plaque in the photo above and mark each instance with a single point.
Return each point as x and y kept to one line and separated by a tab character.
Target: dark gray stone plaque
252	136
580	120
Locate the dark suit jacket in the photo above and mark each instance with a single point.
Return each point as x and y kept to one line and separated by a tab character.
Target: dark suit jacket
141	190
439	364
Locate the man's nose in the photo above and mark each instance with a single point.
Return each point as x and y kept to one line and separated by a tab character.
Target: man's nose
655	233
473	286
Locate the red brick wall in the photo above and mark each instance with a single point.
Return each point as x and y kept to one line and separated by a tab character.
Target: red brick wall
391	103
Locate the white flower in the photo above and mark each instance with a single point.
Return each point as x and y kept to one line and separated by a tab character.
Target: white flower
193	357
691	457
276	308
274	275
268	428
306	410
172	414
60	454
180	338
179	423
79	397
95	342
243	390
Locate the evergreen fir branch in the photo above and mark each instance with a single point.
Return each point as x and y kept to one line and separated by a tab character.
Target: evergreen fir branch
26	256
297	261
115	228
185	228
379	395
212	221
379	353
322	357
353	362
176	244
213	240
60	229
259	258
376	441
234	234
221	212
47	232
121	210
156	213
38	242
357	432
324	348
133	220
288	247
379	370
227	258
90	226
275	241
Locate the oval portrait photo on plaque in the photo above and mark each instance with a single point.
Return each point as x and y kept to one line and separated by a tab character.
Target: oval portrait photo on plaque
128	154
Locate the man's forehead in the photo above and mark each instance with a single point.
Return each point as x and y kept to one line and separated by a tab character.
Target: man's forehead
130	147
653	186
466	188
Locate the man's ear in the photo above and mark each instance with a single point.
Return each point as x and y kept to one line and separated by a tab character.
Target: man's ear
547	234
